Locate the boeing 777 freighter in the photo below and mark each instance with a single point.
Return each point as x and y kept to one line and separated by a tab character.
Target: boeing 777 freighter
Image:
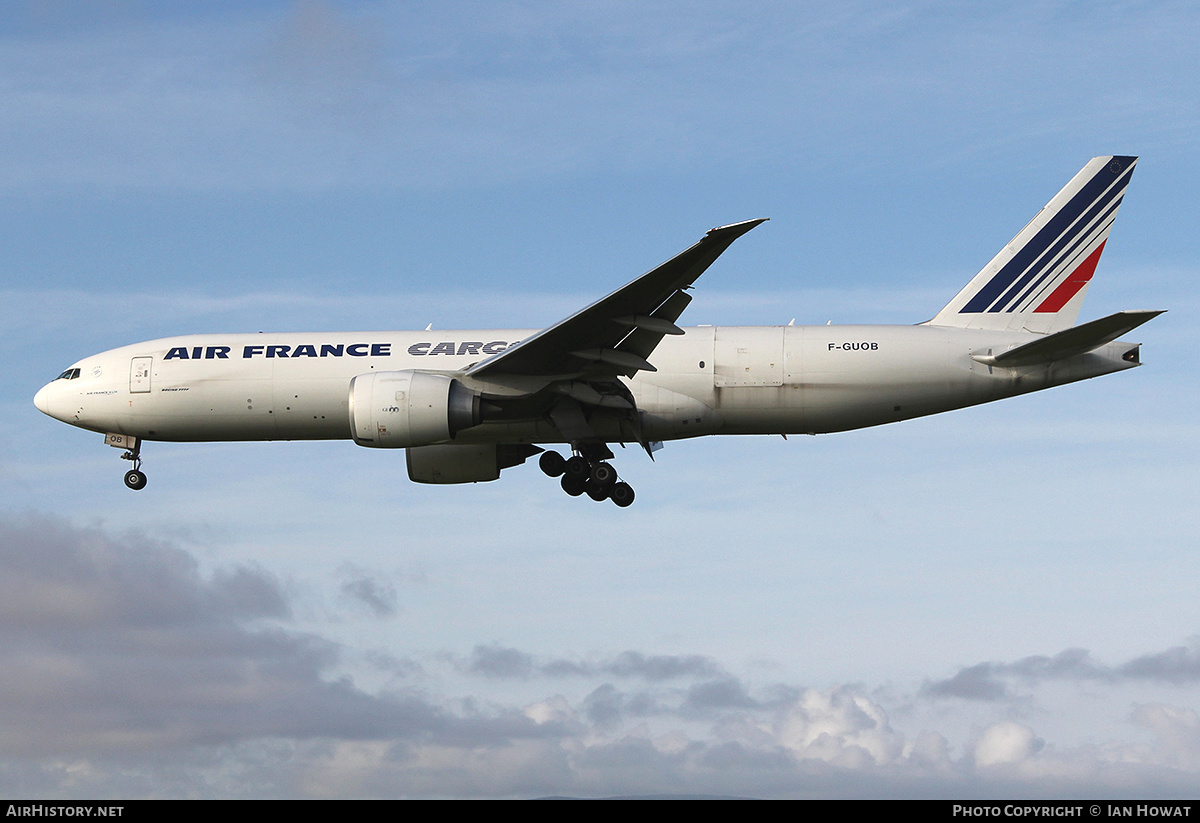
468	404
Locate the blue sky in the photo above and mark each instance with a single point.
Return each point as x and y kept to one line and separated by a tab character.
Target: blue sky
995	602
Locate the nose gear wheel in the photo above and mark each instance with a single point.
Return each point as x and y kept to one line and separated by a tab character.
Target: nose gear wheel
135	478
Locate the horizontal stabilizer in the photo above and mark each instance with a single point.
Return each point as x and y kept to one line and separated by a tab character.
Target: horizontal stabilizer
1072	341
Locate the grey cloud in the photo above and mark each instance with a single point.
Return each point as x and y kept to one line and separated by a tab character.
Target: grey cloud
1072	663
978	682
643	704
607	706
247	593
1180	664
566	668
398	666
496	661
113	645
54	575
720	694
736	756
989	681
378	597
126	670
662	667
604	705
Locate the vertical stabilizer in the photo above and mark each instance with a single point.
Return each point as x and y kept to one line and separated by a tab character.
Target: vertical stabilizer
1037	282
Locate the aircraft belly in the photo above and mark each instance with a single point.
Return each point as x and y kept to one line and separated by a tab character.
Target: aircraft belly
676	413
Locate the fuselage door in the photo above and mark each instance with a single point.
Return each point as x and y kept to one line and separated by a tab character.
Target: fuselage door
139	375
748	356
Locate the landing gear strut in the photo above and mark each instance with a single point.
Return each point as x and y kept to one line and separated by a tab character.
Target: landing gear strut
587	472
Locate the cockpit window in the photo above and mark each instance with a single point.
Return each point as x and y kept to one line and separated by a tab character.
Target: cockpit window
69	374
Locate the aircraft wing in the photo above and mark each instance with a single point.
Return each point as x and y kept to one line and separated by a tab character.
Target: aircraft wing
616	334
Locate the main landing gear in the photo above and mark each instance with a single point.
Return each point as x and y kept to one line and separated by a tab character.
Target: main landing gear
593	477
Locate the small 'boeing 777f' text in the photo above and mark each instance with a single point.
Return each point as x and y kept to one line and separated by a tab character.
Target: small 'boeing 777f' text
468	404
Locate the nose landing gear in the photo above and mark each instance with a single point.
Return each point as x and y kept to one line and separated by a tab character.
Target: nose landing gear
135	478
586	472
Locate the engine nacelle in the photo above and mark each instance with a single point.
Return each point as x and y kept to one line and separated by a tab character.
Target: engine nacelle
399	409
467	463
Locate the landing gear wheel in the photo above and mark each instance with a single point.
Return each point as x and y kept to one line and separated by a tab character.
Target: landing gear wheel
595	491
552	464
573	486
135	480
621	494
577	468
603	475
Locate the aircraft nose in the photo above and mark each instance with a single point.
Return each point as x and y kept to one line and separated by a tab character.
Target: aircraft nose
42	400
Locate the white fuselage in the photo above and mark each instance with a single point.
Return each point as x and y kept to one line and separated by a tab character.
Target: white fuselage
712	379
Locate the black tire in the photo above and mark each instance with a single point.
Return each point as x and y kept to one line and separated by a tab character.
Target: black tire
621	494
135	480
552	464
603	475
572	485
577	467
595	491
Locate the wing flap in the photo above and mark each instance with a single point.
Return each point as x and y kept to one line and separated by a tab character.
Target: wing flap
642	341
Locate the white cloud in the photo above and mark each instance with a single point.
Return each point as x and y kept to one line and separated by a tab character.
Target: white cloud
127	671
842	728
1177	730
1005	743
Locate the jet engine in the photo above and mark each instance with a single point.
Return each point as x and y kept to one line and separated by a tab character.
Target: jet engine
399	409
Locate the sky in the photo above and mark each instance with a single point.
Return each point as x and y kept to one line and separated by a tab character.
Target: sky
995	602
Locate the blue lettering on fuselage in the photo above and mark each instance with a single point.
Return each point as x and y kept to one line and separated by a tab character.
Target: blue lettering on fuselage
281	352
207	352
473	347
287	352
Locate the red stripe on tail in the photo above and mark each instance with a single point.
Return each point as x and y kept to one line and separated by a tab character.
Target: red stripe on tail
1075	281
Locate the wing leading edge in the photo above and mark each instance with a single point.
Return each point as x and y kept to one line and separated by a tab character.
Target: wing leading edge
616	334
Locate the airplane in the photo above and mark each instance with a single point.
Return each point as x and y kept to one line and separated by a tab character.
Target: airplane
466	405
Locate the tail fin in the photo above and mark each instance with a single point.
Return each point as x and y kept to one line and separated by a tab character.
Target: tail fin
1037	282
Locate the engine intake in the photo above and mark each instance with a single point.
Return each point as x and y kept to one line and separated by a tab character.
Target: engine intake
399	409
